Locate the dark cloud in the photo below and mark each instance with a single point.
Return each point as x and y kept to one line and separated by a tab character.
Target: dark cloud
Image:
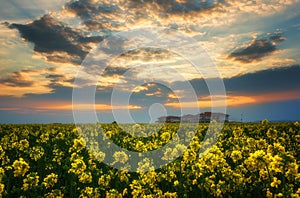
63	57
147	54
177	7
22	79
55	76
71	80
277	37
266	81
56	79
199	85
96	15
54	39
87	9
272	80
60	43
16	80
111	71
257	48
102	16
83	9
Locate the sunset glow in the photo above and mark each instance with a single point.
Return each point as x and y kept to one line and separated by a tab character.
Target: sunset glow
49	48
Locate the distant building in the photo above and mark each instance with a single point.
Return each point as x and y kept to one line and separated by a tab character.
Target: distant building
190	118
219	117
170	119
202	117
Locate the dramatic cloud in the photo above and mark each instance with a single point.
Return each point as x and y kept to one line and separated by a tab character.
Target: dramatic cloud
43	81
16	80
188	16
111	15
59	80
272	80
40	56
258	48
98	15
264	86
177	7
51	38
114	71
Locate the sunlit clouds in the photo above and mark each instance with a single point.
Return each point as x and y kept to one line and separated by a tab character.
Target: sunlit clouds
48	48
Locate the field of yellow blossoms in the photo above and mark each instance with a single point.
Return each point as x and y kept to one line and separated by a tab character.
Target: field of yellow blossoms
248	160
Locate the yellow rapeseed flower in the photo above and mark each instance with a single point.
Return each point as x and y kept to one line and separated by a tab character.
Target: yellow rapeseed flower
78	145
20	167
54	194
23	145
236	155
50	180
77	167
31	180
121	157
104	180
176	183
36	152
85	177
275	182
2	187
1	173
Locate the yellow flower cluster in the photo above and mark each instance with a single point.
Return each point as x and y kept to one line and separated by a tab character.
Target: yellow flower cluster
78	145
57	156
120	156
54	194
87	192
60	160
236	155
31	180
104	181
85	177
23	145
78	166
20	167
2	186
50	180
44	138
145	165
36	152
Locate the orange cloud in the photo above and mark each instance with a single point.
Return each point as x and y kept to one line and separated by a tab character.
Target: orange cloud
218	101
48	106
20	91
9	109
83	107
17	84
140	88
172	96
280	96
235	100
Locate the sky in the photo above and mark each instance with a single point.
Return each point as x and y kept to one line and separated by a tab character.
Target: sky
136	60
